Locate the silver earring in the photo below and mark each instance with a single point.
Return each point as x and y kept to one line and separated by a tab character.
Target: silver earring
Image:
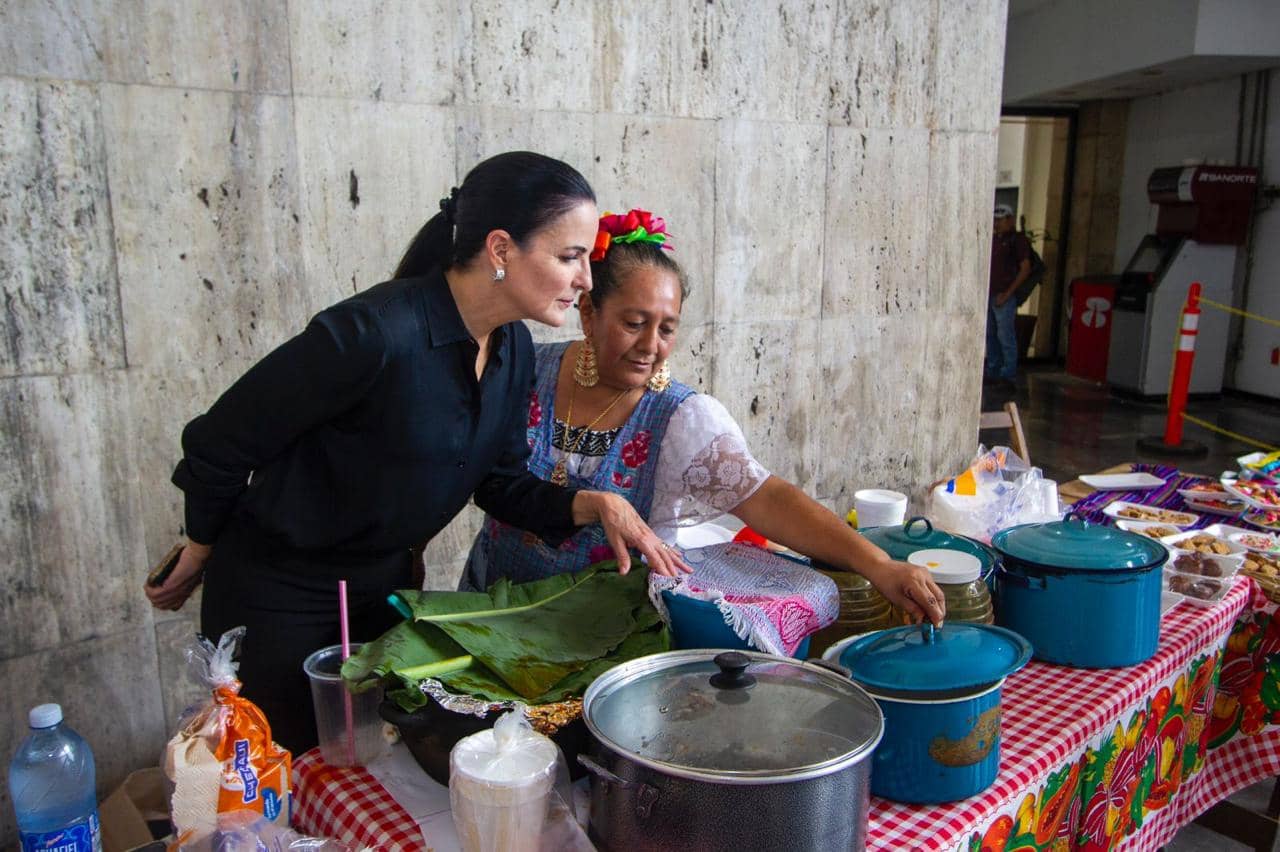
499	274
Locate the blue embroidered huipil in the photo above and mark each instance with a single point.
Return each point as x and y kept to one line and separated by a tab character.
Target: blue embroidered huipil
628	468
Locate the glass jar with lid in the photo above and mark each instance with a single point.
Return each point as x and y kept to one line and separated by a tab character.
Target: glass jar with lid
959	575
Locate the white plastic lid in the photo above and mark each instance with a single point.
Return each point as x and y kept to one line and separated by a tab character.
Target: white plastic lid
948	566
45	716
482	758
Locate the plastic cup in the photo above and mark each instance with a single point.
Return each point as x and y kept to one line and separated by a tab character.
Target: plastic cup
327	694
877	507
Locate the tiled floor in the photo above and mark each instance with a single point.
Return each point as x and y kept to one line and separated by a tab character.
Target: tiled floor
1074	426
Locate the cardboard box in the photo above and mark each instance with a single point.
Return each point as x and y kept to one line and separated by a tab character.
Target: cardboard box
125	814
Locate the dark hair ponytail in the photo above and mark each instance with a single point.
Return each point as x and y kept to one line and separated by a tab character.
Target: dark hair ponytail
519	192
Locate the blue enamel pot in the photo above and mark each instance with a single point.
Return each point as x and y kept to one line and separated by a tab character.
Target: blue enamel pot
1085	595
939	691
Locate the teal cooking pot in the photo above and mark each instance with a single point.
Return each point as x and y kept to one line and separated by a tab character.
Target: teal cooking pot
919	534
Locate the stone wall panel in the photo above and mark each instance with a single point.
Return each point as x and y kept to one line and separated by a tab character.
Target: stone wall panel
65	40
969	64
529	56
961	167
57	260
204	190
178	690
876	221
234	45
362	198
693	359
769	221
395	50
715	60
766	374
69	513
883	63
483	131
667	166
107	688
867	406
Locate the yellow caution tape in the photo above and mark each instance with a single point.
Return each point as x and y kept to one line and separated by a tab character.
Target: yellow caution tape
1241	438
1239	312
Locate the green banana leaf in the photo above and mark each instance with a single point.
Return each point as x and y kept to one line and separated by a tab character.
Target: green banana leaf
541	641
533	635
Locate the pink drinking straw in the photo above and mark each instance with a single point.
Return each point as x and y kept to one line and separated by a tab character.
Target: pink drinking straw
346	652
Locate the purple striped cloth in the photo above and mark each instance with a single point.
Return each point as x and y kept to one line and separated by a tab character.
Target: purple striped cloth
1162	497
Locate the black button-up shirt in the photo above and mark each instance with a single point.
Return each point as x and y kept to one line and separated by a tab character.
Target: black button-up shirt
368	431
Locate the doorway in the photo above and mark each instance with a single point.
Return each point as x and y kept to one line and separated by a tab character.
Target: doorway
1033	172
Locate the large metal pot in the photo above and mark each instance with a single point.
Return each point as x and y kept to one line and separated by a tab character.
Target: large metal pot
729	750
1084	595
940	693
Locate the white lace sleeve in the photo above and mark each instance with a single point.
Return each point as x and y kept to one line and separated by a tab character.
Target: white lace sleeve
705	468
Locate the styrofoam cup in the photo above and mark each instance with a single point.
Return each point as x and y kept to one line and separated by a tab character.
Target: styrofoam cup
878	507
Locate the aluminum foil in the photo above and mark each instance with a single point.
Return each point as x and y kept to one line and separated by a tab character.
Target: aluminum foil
468	704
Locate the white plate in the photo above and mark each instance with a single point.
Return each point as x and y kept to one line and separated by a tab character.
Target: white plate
1257	504
1129	525
1240	538
1254	516
1232	509
1122	481
1113	510
1235	552
1194	494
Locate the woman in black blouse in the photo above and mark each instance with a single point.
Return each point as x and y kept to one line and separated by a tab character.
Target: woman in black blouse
368	432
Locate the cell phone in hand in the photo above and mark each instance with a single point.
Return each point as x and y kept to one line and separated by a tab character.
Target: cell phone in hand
165	566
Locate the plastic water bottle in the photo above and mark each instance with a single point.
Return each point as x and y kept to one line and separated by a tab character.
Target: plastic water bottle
51	781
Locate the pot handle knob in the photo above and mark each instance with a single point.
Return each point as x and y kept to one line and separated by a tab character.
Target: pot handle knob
1075	516
733	671
928	527
645	795
928	632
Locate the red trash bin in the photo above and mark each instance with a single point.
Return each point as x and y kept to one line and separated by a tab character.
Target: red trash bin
1089	334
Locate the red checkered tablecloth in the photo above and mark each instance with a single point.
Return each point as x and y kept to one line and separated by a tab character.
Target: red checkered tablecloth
349	804
1057	723
1053	714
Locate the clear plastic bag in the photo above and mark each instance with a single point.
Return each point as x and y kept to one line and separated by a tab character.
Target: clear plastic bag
998	490
245	831
509	789
222	760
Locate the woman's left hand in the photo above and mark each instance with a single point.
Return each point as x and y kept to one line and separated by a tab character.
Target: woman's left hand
911	589
624	528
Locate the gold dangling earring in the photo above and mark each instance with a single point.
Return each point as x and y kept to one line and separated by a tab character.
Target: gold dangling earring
585	371
661	379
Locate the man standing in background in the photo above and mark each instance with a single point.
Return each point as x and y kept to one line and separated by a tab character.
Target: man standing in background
1010	266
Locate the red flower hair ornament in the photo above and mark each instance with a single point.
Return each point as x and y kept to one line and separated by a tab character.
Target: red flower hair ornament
636	226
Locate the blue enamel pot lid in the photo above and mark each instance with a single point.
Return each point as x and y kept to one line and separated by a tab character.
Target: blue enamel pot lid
920	658
1077	545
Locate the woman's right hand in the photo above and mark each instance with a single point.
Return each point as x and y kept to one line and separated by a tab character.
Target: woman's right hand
182	581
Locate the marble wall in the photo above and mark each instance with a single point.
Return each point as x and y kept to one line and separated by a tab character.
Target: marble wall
183	184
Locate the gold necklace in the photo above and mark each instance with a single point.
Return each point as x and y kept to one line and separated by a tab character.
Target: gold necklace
559	475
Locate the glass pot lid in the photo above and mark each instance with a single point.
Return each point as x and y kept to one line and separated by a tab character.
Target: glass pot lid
729	715
921	658
1074	543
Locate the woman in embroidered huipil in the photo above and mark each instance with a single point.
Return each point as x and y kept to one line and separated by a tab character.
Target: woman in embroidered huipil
606	415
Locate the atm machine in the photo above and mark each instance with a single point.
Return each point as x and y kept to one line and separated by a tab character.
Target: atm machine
1203	215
